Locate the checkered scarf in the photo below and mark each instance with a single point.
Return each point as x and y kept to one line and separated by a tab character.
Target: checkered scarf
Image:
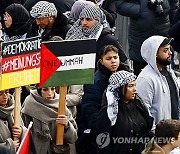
116	81
77	31
43	9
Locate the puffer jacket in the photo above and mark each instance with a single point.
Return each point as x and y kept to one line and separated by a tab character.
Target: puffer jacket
144	22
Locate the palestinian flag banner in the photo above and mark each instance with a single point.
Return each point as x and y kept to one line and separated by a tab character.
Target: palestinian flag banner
27	144
67	62
20	64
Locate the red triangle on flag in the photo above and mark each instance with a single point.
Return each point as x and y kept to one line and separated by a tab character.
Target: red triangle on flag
24	147
49	64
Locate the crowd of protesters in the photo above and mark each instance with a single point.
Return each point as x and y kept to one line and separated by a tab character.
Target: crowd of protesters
124	111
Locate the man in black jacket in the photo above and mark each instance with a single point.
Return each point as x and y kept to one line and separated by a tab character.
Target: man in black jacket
147	18
48	21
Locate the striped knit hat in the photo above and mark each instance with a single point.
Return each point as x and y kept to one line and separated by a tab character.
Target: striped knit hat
43	9
91	12
116	80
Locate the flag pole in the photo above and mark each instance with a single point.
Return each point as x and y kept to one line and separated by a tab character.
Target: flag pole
26	134
61	111
17	107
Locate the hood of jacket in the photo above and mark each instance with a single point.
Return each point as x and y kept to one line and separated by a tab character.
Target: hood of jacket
149	50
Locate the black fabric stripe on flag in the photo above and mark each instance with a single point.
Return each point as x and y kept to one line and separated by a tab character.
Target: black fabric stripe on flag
75	47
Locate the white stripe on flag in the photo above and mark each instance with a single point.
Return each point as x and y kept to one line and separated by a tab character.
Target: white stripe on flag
83	61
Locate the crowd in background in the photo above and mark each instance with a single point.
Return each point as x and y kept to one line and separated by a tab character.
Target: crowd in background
138	102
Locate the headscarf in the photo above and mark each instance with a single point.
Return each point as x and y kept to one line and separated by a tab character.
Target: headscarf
43	9
19	16
116	81
77	31
6	112
77	7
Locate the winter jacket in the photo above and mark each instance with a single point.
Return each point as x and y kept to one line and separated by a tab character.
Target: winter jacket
153	87
144	22
59	28
175	31
113	139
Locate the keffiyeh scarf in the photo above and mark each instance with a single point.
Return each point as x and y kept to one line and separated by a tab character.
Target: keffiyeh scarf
116	80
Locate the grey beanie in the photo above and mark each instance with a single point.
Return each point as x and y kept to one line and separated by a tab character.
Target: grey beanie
43	9
91	12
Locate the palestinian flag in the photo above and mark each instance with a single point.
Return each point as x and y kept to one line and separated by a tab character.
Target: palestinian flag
67	62
27	144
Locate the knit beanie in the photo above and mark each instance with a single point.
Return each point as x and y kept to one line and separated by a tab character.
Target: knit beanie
116	80
43	9
91	12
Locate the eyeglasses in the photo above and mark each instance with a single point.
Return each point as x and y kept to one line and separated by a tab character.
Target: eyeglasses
5	16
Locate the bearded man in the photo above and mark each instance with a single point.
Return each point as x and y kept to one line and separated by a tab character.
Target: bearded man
157	84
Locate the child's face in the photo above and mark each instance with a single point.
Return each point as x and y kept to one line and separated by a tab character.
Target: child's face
111	61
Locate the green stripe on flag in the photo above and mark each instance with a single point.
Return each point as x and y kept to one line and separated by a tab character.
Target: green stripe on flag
71	77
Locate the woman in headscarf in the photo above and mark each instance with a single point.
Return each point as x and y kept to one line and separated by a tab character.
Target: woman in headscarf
123	124
7	128
16	25
41	107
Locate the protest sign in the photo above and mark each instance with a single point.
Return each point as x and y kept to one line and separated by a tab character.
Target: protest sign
67	63
20	63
